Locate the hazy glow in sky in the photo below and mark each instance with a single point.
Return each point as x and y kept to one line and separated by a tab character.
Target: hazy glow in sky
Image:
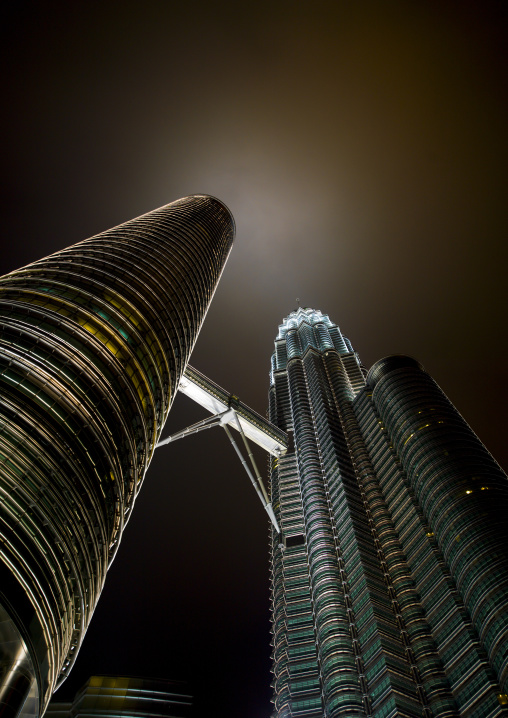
361	147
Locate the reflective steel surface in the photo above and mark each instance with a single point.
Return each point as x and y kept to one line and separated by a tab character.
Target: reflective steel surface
94	341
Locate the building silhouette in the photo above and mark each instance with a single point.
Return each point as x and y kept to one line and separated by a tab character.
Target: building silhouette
390	581
119	697
94	341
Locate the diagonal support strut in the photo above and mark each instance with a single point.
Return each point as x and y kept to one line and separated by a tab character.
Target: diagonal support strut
207	423
223	419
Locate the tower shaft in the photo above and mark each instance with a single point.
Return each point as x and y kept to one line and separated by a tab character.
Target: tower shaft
389	586
94	341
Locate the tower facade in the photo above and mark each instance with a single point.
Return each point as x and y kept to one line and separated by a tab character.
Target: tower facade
94	341
390	581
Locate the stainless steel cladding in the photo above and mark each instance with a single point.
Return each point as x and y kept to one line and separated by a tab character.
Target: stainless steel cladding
94	341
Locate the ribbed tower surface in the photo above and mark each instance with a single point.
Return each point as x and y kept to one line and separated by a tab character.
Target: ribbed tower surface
94	341
390	578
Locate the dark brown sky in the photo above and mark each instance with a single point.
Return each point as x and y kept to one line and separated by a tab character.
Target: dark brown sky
361	147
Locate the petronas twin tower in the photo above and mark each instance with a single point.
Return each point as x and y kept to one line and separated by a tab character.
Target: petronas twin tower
389	552
390	581
94	342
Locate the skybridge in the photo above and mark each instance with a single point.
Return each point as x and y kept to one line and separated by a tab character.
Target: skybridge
229	412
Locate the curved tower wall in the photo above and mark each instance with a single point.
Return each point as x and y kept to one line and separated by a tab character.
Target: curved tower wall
94	341
462	496
378	609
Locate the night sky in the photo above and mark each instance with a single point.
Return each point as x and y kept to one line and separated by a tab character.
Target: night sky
361	147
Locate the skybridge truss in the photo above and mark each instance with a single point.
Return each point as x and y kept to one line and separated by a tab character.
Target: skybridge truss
230	413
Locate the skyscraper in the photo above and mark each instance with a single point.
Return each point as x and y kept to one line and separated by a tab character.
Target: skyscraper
390	582
94	341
